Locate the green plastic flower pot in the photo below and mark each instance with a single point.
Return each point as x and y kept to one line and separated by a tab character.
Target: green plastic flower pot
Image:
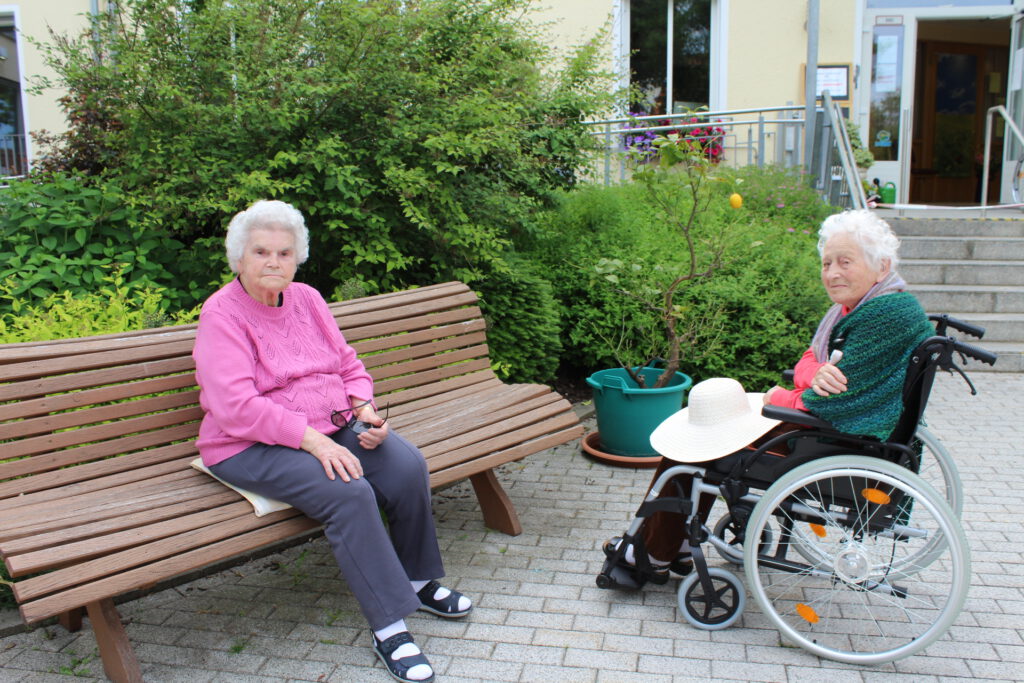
627	413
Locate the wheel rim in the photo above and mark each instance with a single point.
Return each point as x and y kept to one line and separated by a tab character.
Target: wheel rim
724	606
860	594
939	470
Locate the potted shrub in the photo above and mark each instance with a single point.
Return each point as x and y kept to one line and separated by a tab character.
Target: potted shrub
634	398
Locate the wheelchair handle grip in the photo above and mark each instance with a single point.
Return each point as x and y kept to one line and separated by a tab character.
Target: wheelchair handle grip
944	320
975	352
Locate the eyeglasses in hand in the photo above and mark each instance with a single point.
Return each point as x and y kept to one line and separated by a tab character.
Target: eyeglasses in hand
339	419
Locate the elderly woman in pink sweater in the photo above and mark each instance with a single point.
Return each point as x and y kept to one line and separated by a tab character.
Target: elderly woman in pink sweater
290	415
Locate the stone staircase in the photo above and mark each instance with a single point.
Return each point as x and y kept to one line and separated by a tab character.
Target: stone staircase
972	269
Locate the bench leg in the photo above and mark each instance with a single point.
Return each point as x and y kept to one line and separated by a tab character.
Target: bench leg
119	662
499	513
71	620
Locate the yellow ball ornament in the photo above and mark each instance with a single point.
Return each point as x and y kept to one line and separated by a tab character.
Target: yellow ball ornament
735	200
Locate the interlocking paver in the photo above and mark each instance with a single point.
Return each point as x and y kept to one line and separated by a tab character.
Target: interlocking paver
539	615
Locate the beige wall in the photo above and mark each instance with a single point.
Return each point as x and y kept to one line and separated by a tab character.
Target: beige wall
768	47
35	19
573	22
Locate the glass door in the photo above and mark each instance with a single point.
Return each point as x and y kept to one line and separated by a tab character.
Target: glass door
891	72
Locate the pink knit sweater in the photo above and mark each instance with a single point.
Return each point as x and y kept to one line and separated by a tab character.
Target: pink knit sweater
266	373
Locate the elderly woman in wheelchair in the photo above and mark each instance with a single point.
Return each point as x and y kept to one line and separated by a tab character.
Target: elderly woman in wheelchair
849	552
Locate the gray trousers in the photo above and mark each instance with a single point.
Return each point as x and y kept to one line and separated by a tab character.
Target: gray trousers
377	561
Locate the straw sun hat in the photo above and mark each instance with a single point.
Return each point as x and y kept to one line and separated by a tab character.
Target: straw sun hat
720	419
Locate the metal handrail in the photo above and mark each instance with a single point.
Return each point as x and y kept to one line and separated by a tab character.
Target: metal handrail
1001	110
858	199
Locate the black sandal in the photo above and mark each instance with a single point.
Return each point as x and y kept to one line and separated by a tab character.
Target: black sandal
399	668
447	607
681	566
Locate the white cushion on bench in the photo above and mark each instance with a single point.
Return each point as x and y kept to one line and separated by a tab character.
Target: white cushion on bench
261	504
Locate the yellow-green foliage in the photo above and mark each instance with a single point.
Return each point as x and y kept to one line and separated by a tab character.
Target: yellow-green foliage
114	307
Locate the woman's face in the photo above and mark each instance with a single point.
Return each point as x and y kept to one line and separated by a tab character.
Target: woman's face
845	270
268	263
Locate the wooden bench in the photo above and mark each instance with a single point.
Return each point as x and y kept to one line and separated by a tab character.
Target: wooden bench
97	498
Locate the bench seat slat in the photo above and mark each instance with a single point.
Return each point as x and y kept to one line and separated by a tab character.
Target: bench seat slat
149	574
167	489
413	372
104	527
79	551
440	457
131	466
400	398
57	459
466	469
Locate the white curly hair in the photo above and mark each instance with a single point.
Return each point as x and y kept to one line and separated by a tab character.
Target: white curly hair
873	234
266	213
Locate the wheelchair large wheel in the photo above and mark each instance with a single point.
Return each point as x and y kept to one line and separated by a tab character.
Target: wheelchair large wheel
939	470
883	578
716	609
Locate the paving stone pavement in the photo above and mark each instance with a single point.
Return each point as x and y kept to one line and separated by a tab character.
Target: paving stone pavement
539	615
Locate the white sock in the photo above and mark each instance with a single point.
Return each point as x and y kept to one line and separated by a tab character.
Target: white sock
420	671
441	593
630	557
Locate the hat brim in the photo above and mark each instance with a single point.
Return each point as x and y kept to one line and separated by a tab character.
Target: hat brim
678	440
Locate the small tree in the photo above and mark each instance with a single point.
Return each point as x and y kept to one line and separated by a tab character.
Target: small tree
678	182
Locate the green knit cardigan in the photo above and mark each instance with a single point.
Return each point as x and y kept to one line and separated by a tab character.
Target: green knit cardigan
876	339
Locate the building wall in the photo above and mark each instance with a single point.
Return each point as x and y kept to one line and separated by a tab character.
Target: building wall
35	20
768	48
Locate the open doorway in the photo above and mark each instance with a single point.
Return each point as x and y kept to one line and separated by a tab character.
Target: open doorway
961	71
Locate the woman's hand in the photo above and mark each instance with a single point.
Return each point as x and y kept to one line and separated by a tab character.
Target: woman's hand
334	457
828	380
767	398
373	437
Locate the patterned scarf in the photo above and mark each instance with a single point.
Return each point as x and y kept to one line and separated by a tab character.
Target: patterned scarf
819	344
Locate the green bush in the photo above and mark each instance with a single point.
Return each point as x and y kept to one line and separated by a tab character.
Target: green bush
523	323
113	307
417	138
67	234
751	319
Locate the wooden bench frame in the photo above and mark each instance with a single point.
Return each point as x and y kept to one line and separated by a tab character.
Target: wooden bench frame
97	498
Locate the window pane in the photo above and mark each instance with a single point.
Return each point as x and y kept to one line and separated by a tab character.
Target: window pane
691	53
886	89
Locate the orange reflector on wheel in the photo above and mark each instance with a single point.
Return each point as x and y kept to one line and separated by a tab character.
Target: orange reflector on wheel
818	530
875	496
807	612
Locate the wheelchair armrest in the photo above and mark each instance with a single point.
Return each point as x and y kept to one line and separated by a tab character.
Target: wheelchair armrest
795	416
788	375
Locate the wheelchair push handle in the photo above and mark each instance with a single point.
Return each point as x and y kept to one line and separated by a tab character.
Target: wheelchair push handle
975	352
945	320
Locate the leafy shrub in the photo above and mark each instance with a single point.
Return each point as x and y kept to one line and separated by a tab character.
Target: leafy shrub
752	319
780	194
523	323
417	138
113	307
65	234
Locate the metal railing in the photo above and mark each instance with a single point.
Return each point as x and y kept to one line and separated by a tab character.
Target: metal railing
13	156
767	135
1018	170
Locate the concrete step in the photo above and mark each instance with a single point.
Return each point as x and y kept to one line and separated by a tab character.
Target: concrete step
970	299
959	248
953	227
999	327
962	272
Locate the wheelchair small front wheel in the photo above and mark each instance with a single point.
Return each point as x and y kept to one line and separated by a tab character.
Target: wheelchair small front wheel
716	609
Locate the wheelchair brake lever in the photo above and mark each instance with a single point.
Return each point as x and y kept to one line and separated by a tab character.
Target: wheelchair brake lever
960	371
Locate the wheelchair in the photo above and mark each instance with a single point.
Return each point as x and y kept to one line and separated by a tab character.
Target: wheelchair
848	550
